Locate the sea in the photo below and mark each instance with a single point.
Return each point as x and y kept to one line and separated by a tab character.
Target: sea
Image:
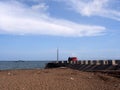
13	65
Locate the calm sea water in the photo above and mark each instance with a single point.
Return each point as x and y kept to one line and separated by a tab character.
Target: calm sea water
11	65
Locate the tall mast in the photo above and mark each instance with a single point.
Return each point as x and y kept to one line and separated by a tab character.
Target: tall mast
57	54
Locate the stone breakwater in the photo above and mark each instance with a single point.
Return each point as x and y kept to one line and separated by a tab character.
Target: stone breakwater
87	65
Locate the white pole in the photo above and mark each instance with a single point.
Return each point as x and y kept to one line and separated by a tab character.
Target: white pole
57	54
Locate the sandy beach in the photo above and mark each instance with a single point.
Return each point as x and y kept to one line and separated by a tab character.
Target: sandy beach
56	79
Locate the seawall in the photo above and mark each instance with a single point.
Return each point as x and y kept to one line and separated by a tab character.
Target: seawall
87	65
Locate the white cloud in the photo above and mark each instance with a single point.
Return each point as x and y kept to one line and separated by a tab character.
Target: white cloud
95	8
18	18
41	6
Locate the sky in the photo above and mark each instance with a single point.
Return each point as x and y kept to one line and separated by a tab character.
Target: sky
34	29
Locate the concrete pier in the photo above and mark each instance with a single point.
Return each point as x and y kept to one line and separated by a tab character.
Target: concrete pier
87	65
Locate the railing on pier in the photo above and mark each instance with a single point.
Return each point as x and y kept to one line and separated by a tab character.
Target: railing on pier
91	62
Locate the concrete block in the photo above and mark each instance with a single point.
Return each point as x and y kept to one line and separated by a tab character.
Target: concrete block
86	62
74	62
98	62
77	62
91	62
68	62
83	62
114	62
62	62
71	62
105	62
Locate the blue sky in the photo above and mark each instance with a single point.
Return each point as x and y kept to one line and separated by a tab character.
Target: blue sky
33	29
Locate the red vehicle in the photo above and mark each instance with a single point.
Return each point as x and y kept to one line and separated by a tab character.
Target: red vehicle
72	59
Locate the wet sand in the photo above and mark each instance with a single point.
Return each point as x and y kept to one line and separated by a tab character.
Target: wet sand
56	79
